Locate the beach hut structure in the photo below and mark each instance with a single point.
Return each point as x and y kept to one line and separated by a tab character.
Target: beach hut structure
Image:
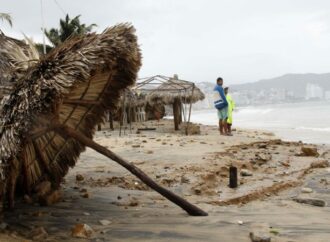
51	114
171	91
131	109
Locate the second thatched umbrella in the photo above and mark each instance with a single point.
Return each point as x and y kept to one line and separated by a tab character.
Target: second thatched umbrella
51	114
175	92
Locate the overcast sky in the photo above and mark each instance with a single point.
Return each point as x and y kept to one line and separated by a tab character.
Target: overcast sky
240	40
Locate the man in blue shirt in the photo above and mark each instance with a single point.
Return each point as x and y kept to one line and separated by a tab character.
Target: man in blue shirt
221	104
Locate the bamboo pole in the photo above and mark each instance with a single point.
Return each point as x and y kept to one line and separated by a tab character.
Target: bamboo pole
191	209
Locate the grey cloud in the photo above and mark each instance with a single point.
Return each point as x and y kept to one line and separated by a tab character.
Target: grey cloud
241	40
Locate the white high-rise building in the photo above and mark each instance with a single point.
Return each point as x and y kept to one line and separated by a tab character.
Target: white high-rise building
314	91
327	95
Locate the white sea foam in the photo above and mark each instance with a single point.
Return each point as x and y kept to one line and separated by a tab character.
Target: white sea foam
327	129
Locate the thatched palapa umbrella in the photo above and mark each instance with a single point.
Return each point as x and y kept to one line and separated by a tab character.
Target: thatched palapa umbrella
51	114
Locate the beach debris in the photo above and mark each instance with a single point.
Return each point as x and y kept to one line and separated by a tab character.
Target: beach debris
309	151
54	197
149	152
43	188
86	214
223	171
104	222
262	146
133	202
246	172
262	158
3	226
139	162
191	129
274	231
38	213
168	181
197	191
284	163
259	238
311	201
83	190
86	195
27	199
82	231
79	177
306	190
38	233
320	164
240	222
184	179
136	146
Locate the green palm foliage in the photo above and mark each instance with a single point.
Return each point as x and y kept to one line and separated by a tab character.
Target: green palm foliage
68	28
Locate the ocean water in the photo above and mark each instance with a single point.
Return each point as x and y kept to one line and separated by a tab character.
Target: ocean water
308	121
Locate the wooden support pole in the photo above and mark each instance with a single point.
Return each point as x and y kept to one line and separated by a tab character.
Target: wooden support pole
176	113
111	120
232	177
190	106
191	209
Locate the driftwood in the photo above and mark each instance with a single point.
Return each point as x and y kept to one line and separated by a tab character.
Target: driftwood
146	129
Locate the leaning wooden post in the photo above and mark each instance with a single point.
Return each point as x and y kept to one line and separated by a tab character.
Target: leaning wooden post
67	132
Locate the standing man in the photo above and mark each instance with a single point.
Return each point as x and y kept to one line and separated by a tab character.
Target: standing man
221	104
231	106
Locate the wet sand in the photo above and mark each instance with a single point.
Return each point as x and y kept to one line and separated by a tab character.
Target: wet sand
195	167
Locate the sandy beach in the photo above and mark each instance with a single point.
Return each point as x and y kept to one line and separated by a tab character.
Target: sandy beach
276	178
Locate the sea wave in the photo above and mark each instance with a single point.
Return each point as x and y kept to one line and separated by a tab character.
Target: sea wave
326	129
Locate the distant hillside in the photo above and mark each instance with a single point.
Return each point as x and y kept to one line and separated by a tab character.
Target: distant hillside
292	82
286	88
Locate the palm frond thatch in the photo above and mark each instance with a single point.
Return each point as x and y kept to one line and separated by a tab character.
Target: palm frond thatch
173	89
74	84
6	17
15	58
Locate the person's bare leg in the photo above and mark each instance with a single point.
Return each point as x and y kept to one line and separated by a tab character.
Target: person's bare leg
225	127
221	127
229	128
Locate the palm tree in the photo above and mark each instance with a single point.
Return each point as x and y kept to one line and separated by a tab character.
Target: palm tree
6	17
68	27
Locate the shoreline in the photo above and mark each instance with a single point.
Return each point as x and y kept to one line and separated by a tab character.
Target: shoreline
194	167
290	123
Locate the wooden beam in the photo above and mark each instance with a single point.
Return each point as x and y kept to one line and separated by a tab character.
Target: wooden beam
81	102
67	132
39	132
190	106
176	113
